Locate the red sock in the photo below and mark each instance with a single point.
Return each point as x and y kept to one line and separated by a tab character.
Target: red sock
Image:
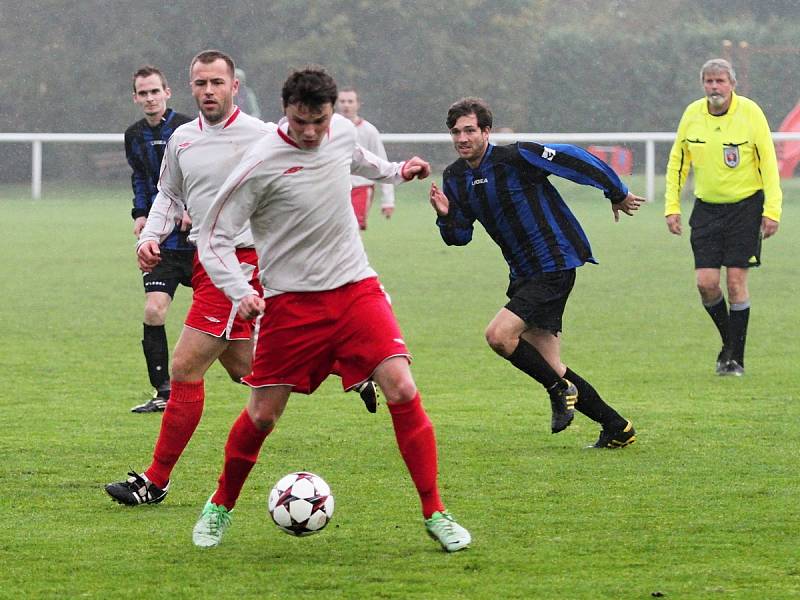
417	441
241	453
180	419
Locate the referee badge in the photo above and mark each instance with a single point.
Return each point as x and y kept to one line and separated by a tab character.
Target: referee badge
731	155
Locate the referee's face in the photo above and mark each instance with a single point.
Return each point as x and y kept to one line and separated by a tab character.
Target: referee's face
469	140
719	90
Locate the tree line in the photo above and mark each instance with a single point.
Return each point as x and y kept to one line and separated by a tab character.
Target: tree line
544	65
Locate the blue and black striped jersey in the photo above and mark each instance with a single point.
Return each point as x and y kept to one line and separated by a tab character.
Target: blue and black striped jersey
144	149
510	194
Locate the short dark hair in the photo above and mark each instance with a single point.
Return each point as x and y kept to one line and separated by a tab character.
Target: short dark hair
310	86
470	106
209	56
146	71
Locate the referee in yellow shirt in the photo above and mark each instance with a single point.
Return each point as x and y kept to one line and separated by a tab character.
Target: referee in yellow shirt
727	141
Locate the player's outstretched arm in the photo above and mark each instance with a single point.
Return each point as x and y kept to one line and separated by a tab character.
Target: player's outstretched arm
415	167
439	201
631	203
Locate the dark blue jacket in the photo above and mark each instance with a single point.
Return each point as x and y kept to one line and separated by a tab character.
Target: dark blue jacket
510	194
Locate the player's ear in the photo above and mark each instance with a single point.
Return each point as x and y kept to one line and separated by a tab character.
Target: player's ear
167	93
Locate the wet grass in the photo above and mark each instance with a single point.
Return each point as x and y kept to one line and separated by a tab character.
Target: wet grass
705	505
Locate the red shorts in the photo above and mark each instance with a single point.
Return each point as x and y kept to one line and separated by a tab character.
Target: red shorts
211	312
302	335
361	197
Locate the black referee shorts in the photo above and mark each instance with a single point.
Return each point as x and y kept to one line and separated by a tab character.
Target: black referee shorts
174	269
727	235
540	300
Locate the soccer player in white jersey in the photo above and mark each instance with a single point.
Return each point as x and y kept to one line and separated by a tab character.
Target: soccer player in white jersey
197	160
322	301
369	138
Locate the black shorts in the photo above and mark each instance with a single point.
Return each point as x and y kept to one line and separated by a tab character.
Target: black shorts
540	300
174	269
727	235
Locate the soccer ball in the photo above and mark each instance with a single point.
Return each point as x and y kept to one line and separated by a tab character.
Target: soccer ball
301	503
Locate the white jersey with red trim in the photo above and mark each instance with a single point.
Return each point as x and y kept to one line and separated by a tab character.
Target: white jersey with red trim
298	205
370	138
197	160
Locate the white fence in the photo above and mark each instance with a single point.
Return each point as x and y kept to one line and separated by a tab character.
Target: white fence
649	139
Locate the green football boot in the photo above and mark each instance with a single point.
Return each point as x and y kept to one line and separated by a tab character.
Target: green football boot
443	528
212	524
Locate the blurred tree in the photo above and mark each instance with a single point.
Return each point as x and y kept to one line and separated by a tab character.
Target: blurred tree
544	65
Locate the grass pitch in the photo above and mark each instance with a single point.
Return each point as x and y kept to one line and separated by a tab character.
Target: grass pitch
705	505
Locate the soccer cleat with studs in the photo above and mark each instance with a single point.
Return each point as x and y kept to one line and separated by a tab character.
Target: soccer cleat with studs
723	358
616	438
369	395
562	401
156	404
212	524
731	368
136	490
443	528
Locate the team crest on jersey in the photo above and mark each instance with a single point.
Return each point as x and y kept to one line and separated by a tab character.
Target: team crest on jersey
548	153
291	170
731	154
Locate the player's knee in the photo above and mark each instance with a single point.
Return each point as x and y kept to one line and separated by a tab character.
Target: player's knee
498	341
709	290
399	391
737	292
155	313
265	421
180	370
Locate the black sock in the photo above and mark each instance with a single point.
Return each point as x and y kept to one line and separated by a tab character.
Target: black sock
156	355
528	360
737	333
719	314
592	405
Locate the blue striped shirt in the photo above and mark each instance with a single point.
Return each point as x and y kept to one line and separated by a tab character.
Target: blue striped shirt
144	149
510	194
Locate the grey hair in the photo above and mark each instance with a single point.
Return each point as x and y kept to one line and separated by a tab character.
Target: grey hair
718	65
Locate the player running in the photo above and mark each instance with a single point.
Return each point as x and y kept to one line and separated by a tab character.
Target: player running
507	189
322	300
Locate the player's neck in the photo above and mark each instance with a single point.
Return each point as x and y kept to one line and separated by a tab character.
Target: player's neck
475	163
221	120
155	120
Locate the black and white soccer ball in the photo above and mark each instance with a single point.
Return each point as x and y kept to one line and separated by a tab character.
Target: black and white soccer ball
301	503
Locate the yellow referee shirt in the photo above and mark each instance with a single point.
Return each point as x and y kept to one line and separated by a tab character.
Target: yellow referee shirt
732	156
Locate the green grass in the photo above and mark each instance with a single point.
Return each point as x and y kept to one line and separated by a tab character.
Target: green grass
706	505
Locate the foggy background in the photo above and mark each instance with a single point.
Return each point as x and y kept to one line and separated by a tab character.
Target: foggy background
544	66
